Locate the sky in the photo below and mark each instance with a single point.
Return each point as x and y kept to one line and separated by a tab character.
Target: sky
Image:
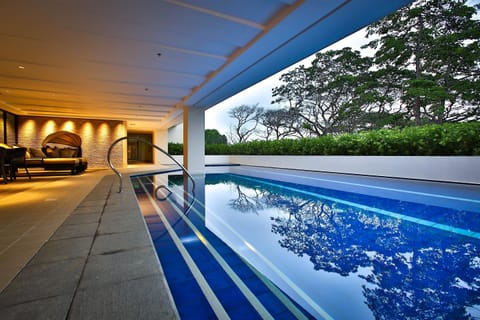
261	93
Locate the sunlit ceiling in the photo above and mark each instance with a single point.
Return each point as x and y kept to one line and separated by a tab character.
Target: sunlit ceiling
141	61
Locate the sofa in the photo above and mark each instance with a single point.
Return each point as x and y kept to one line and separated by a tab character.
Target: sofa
60	150
54	159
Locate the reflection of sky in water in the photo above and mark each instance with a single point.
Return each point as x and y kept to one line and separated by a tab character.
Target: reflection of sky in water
350	262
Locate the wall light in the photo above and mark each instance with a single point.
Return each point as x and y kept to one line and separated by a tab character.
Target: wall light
69	126
49	127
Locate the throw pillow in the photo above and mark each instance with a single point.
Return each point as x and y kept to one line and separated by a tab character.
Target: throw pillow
36	153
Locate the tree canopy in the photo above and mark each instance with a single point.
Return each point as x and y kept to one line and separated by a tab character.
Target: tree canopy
212	136
432	49
425	69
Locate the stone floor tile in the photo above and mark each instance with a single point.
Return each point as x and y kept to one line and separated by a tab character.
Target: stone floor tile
82	218
57	250
114	225
50	308
144	298
42	281
88	210
75	231
92	203
119	266
120	242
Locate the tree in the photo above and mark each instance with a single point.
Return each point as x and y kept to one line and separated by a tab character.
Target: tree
323	95
279	124
212	136
432	49
246	119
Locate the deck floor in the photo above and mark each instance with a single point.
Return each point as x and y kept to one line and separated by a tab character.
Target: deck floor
72	247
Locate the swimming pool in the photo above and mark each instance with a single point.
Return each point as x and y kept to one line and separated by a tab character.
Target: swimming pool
257	243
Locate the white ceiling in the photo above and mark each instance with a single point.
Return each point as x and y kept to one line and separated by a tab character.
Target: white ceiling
141	61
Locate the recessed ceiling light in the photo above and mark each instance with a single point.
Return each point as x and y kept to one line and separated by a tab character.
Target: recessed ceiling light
21	67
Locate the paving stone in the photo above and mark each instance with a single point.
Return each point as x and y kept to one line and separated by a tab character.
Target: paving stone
98	194
120	213
88	210
118	266
120	241
50	308
120	209
92	203
57	250
42	281
75	231
144	298
110	225
82	218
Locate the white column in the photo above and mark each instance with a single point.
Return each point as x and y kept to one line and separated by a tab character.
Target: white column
194	140
160	138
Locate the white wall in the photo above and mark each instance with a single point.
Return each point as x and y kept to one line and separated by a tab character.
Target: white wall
160	138
175	134
448	169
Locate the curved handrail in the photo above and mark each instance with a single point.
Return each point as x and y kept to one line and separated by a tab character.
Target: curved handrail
165	197
151	144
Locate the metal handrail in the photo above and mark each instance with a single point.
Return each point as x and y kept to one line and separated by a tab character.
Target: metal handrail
151	144
162	187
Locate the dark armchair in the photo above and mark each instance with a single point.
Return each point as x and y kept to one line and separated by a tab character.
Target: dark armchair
12	158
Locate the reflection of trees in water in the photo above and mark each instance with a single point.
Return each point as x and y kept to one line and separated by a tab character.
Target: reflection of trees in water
414	271
437	281
248	200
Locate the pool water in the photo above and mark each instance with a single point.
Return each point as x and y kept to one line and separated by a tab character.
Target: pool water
307	245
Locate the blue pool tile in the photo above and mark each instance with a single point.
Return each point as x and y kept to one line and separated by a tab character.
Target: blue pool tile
218	280
164	247
243	312
232	298
232	259
190	301
287	315
244	271
197	311
256	285
272	303
157	227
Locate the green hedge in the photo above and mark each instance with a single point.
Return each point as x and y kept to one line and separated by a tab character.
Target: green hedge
175	148
445	139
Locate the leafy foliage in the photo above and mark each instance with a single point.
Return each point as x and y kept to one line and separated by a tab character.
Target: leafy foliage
432	49
175	149
212	136
425	70
429	140
322	97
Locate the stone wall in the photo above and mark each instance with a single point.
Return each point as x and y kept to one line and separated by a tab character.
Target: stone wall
97	136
